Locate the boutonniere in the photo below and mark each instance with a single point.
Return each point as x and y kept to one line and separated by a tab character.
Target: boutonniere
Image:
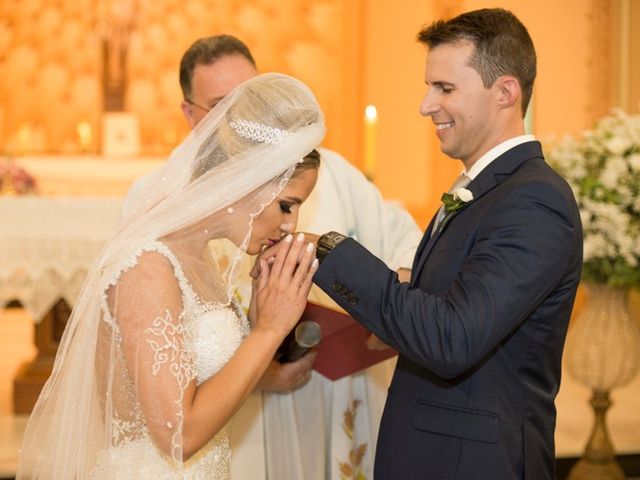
456	200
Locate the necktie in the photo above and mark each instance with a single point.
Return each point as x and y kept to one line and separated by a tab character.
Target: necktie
461	181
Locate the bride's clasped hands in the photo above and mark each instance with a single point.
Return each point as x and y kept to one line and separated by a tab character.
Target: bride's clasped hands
283	276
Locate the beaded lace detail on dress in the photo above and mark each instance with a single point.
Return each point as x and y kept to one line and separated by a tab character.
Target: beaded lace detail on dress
194	346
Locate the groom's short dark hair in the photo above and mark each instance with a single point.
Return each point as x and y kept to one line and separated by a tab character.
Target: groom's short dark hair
502	45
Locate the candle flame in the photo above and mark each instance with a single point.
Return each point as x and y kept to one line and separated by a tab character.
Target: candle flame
371	113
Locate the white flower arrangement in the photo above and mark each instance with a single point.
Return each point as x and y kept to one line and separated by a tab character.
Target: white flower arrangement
603	170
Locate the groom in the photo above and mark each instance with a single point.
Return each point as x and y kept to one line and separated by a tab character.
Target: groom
481	327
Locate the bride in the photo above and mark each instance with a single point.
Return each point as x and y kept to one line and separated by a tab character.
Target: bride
157	355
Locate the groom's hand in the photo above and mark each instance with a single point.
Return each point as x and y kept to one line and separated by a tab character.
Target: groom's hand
284	377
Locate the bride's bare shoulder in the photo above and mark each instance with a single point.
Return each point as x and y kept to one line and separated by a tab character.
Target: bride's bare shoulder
150	284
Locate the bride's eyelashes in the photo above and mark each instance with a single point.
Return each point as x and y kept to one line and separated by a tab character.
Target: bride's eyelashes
285	207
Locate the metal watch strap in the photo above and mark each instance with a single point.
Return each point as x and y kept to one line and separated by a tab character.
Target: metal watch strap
326	243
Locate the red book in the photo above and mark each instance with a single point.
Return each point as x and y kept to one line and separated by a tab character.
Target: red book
342	350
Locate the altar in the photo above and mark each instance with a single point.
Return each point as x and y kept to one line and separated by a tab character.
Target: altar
47	245
49	241
86	175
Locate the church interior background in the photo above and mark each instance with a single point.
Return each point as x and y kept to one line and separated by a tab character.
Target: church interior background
89	100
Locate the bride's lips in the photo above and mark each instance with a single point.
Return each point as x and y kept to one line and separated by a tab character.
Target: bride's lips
272	242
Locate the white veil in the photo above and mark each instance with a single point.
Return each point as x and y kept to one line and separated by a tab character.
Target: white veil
232	165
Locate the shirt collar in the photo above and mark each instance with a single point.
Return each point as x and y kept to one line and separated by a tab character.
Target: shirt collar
495	152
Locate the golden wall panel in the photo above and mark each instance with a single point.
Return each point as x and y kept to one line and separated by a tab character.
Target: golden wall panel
406	163
599	60
51	63
447	8
302	38
633	102
49	74
626	74
351	52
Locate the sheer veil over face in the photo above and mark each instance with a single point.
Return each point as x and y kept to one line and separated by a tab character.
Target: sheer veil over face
112	376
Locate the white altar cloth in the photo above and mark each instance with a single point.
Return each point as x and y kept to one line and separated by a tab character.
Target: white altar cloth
47	246
86	175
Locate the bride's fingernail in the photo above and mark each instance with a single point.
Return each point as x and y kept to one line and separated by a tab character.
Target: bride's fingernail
300	237
288	238
310	247
315	263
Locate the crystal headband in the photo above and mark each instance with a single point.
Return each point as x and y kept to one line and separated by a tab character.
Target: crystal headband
258	132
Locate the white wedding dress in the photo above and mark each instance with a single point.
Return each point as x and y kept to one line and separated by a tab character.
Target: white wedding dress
156	315
210	333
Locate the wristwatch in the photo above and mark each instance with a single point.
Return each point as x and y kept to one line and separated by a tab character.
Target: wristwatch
326	243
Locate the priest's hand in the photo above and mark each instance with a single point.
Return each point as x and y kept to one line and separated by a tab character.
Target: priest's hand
285	377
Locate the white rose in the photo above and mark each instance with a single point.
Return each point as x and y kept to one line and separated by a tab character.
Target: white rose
615	167
618	145
609	178
585	217
634	161
463	194
593	246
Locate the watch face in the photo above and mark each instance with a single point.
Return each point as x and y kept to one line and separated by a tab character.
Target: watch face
327	242
331	239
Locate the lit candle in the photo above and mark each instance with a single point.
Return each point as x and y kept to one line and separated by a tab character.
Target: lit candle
370	122
85	135
24	139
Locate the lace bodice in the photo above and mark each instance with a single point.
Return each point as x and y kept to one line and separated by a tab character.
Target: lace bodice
194	346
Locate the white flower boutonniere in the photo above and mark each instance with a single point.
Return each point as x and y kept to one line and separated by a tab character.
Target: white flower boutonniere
456	200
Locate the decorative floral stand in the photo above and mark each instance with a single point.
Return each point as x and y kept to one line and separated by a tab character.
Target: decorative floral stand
603	353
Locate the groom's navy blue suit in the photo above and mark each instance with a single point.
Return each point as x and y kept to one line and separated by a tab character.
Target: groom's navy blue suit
480	329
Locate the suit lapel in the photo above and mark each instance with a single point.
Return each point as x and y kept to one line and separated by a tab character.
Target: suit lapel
421	251
494	174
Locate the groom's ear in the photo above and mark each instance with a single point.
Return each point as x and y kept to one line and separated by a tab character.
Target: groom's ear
508	90
187	111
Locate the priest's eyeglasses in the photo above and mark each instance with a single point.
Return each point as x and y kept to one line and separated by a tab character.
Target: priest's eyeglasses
206	109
